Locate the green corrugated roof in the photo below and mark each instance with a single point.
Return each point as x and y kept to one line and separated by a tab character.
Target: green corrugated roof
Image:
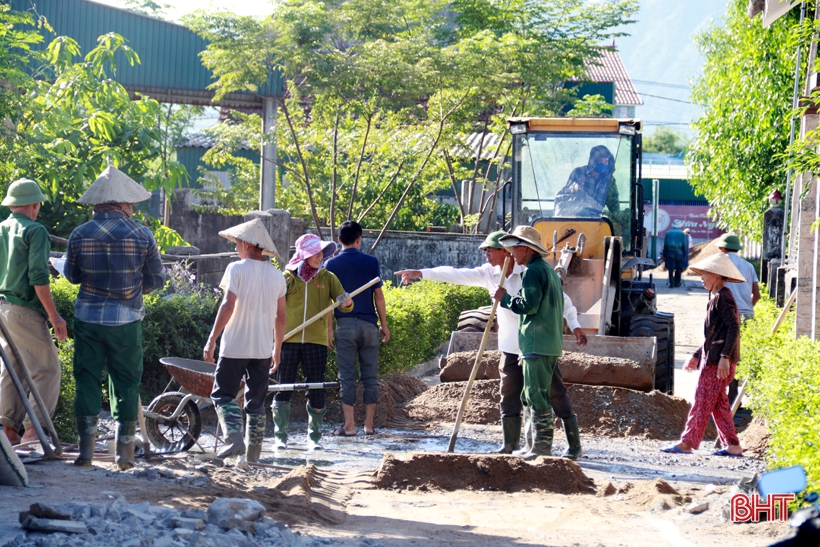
170	69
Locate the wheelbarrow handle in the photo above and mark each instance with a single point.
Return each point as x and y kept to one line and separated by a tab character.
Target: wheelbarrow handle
330	308
273	388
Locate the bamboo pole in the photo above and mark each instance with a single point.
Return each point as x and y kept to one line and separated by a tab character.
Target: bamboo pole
479	355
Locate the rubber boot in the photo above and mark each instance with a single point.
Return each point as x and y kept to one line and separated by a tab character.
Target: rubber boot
230	418
528	434
511	428
126	431
254	434
281	418
574	451
315	427
87	432
542	423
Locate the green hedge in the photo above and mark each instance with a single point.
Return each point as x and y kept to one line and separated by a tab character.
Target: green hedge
177	324
784	388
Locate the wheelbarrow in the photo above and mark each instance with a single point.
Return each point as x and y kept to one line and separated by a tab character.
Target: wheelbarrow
173	421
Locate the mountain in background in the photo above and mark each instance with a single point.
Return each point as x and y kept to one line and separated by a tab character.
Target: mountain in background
661	48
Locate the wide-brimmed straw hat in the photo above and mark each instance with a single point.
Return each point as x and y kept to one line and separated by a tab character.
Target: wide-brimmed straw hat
23	192
719	264
114	186
492	241
526	236
253	232
309	245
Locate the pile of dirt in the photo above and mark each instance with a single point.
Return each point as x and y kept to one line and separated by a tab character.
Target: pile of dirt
601	410
656	495
755	438
440	403
618	412
481	472
394	391
459	365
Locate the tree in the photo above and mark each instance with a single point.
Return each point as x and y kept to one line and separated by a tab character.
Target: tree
665	141
377	93
746	86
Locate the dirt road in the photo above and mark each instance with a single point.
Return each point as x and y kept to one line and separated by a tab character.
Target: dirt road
647	492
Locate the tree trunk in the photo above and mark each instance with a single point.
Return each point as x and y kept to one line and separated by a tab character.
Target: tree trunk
308	189
381	194
359	166
333	180
459	201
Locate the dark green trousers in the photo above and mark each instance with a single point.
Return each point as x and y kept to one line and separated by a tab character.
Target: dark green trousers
120	349
537	380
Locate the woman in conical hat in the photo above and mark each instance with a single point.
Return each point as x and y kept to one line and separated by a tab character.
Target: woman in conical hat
716	360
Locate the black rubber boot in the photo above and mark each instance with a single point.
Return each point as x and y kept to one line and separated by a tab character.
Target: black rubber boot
542	423
511	427
126	431
87	432
574	451
528	434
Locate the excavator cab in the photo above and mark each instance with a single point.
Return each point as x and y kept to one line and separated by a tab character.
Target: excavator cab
577	181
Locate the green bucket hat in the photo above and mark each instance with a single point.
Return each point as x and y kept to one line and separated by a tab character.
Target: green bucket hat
729	241
492	241
23	192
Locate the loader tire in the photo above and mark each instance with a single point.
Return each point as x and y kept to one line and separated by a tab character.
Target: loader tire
661	325
476	320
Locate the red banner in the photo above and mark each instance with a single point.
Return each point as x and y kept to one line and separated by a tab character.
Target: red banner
694	217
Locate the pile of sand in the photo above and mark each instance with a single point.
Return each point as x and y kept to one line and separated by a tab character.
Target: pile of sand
481	472
460	365
605	411
656	495
755	438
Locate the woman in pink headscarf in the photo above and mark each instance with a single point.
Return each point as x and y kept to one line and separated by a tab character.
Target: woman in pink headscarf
311	289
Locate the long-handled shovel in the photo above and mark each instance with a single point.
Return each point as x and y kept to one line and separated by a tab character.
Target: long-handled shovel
479	355
332	307
47	450
776	326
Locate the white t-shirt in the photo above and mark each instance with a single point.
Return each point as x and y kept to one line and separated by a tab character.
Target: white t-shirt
743	291
258	285
488	276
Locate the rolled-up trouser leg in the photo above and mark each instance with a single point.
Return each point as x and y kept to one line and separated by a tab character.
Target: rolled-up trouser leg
512	382
30	334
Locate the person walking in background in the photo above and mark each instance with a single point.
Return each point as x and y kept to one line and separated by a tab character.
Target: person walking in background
716	360
26	308
251	320
488	275
675	253
358	333
540	307
746	294
115	260
310	289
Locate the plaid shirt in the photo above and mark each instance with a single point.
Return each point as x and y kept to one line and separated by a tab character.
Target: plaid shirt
115	260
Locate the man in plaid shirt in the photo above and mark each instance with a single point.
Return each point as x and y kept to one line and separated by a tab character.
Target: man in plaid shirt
115	260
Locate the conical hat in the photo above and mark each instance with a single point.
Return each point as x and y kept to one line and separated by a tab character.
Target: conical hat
114	186
253	232
719	264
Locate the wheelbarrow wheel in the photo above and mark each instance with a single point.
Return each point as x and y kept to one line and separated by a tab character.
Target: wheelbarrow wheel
178	434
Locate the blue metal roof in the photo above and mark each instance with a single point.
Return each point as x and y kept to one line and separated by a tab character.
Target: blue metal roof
170	69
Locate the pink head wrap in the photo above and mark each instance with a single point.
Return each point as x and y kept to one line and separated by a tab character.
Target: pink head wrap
307	246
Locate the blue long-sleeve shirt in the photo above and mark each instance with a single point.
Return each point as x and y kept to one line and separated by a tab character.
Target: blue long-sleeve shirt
115	260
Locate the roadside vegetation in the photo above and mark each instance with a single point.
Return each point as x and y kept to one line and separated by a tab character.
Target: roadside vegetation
178	320
784	388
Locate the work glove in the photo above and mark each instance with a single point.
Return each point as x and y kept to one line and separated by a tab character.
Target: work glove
342	298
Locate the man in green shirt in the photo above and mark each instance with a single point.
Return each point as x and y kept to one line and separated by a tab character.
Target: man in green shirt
25	303
540	306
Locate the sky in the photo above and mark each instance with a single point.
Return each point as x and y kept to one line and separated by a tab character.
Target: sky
660	54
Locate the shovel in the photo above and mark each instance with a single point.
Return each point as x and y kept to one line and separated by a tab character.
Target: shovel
332	307
479	355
